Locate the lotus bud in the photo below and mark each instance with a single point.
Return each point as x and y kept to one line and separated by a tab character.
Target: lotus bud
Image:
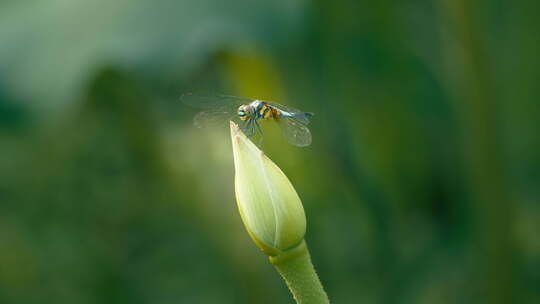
268	203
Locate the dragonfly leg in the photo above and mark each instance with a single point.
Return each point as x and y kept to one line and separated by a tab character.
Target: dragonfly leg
248	128
260	131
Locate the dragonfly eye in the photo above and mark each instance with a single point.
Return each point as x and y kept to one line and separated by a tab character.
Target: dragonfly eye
241	113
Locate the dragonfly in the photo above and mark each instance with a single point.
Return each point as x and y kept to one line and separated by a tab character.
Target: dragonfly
249	113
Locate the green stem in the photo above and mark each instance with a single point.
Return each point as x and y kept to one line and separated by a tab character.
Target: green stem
298	272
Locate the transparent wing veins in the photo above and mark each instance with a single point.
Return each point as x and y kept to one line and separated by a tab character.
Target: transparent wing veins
220	102
295	132
217	109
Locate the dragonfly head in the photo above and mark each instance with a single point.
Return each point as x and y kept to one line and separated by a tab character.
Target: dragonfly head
245	111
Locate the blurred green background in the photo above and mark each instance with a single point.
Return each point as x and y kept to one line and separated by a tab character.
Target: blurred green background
422	184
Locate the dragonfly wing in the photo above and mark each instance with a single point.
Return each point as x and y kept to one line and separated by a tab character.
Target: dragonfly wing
217	109
214	102
213	118
295	131
300	116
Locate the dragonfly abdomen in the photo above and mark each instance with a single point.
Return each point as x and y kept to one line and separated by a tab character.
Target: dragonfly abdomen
297	115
